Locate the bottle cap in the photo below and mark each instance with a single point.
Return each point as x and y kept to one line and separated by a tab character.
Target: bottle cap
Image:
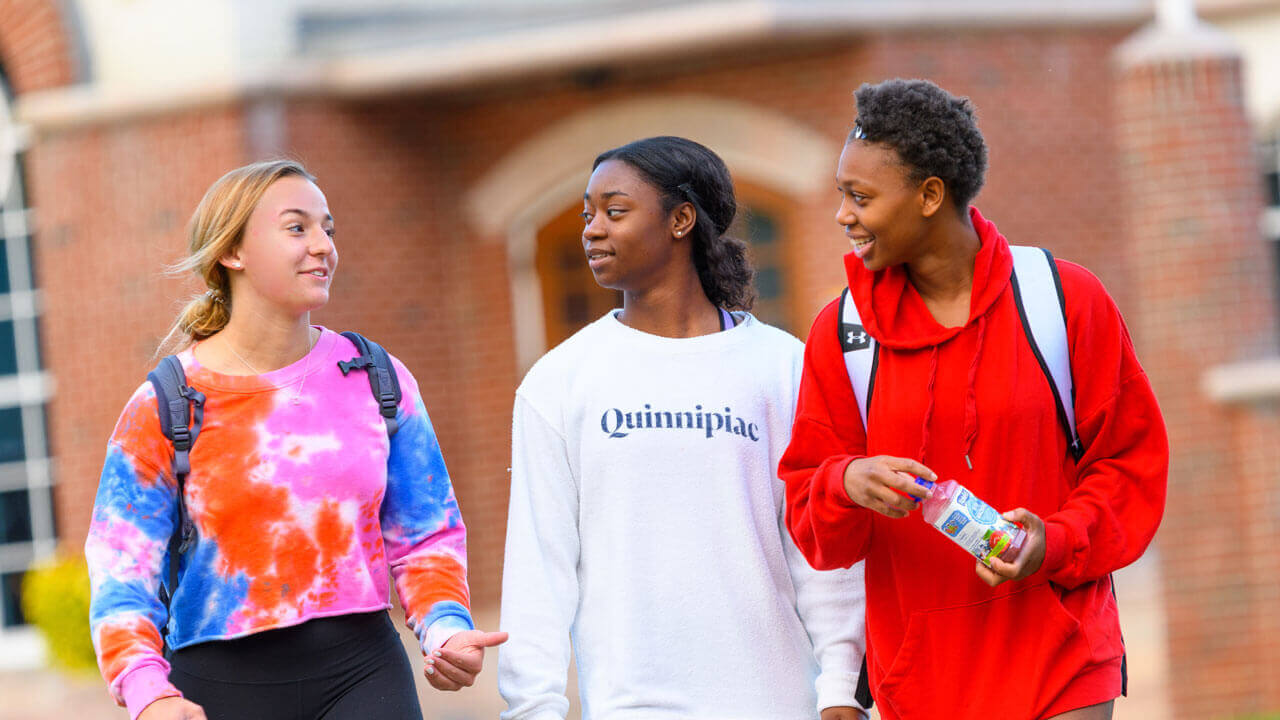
926	484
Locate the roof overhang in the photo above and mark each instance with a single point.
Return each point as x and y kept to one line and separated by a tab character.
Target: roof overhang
568	45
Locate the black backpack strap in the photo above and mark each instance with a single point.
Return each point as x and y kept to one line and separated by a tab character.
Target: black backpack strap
180	409
382	376
862	694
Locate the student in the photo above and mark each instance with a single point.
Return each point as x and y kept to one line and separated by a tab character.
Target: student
646	514
958	393
300	503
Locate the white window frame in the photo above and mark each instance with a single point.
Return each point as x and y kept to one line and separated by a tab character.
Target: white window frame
30	389
1270	157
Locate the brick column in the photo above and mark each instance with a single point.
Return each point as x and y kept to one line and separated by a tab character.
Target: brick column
1189	179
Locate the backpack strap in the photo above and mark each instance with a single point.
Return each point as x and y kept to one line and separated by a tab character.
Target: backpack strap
861	354
382	376
177	405
1037	291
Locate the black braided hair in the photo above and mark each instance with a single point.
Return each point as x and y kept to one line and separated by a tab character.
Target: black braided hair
684	171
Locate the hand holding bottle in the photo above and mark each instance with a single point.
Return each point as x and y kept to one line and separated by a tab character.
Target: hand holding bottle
885	483
1028	560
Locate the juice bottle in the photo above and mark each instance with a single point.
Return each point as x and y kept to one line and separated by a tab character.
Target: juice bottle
971	523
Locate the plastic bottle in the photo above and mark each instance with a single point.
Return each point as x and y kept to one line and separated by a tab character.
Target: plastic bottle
971	523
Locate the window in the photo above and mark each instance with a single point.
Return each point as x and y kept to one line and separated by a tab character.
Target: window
761	224
1271	186
26	502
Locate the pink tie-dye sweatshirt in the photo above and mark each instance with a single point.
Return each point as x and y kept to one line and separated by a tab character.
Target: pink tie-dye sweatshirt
301	503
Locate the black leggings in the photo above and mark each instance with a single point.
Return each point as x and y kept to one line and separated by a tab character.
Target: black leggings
350	667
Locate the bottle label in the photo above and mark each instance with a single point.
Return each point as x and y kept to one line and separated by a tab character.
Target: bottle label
975	526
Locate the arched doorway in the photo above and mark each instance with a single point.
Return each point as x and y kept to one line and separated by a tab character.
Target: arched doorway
534	185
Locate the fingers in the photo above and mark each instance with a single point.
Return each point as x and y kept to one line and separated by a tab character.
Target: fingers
910	467
1026	519
489	639
469	661
988	575
878	484
889	502
447	670
439	681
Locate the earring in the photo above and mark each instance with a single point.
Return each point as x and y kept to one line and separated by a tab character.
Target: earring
235	266
679	233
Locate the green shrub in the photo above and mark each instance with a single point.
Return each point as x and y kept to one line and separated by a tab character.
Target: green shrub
55	598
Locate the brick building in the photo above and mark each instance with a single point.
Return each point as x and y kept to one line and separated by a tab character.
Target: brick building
453	157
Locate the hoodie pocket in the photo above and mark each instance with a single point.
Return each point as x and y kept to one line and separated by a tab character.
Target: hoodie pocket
984	660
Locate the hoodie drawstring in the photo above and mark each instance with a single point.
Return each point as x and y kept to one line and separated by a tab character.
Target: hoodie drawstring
970	429
928	408
971	395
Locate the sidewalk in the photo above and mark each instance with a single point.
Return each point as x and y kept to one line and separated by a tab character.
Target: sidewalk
44	694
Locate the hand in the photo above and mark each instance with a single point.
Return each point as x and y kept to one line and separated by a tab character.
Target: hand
842	713
172	708
879	483
1028	560
456	664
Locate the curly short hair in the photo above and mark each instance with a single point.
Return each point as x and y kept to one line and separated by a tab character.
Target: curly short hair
934	133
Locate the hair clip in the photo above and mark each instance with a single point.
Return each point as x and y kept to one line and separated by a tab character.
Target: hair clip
858	132
687	189
215	296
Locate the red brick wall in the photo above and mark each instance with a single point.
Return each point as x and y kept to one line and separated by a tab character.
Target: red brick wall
413	277
1254	428
112	205
1202	282
34	50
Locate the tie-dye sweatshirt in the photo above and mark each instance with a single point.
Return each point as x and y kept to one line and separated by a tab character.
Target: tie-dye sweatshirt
301	505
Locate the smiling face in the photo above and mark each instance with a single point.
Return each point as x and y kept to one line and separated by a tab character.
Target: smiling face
883	212
287	258
631	242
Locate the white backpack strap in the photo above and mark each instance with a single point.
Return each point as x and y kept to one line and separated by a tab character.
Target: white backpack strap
1037	290
859	353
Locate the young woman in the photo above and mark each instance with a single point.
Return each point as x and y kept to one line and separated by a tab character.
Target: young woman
646	514
958	393
300	502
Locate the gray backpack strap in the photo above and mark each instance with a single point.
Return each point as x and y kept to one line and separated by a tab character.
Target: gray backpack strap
1037	290
382	376
180	409
861	354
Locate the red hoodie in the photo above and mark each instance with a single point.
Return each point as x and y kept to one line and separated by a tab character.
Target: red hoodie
940	642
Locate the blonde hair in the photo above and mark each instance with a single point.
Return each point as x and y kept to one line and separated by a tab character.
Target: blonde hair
216	228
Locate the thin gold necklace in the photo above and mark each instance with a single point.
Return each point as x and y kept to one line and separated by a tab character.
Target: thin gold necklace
306	367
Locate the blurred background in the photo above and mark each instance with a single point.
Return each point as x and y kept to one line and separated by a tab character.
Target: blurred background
453	139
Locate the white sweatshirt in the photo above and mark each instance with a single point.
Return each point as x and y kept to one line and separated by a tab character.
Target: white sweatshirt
646	521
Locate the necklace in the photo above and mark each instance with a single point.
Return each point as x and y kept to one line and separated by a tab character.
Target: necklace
306	367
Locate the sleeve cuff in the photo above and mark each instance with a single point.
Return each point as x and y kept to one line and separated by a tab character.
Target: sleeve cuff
835	484
544	715
145	684
837	690
439	632
1055	547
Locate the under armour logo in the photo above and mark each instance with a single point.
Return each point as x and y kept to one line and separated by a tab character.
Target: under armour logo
853	337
